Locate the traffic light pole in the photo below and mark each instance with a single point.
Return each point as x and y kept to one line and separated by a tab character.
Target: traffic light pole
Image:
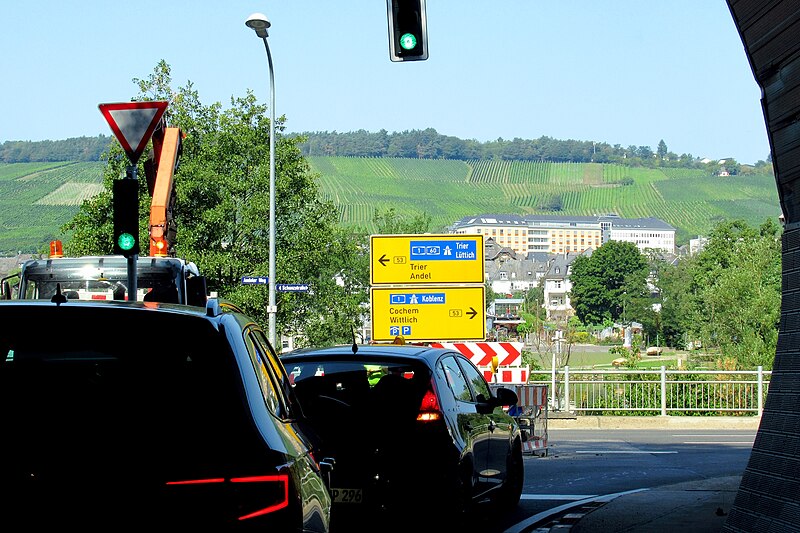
133	260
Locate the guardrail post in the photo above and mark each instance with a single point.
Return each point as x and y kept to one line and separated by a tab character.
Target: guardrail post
566	388
760	390
663	391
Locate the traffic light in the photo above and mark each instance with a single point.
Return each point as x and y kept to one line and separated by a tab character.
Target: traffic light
126	217
408	32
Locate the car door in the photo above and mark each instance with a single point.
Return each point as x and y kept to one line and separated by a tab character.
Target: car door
472	430
497	425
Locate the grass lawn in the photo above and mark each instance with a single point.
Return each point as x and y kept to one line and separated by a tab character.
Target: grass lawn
587	357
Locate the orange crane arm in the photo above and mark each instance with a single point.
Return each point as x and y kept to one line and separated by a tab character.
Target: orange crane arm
162	228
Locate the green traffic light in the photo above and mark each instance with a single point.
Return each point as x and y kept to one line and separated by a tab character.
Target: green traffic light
408	41
126	241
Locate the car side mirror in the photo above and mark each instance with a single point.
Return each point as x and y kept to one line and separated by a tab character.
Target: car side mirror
326	466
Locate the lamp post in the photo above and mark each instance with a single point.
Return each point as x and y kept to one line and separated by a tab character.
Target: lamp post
259	23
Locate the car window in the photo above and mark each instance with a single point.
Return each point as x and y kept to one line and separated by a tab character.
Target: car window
455	379
475	378
279	372
270	390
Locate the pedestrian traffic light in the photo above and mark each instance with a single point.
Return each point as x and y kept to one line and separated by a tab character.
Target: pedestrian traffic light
408	32
126	217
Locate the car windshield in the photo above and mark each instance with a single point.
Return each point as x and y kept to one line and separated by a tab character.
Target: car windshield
96	279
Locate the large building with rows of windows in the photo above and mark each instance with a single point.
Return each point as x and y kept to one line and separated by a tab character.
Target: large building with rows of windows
568	234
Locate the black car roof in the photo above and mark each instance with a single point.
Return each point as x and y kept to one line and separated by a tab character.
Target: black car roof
119	310
365	351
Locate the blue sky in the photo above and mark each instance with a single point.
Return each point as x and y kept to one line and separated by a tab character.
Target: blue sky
628	72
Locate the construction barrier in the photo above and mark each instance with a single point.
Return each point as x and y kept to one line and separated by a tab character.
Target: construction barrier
531	415
508	354
481	353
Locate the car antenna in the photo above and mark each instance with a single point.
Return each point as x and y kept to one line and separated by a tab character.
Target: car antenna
58	298
355	345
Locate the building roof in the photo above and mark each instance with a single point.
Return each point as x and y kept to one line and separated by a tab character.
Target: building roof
539	220
642	223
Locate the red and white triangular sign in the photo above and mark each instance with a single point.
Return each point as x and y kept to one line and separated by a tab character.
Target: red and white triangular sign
133	123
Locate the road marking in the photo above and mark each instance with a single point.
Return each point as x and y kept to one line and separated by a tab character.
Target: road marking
717	442
715	435
622	451
526	524
557	496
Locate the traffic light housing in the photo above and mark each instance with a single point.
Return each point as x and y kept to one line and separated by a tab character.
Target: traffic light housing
126	217
408	31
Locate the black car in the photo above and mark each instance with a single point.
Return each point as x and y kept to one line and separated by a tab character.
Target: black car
406	426
147	416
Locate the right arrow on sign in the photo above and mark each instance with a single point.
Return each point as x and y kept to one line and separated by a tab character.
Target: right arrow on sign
472	312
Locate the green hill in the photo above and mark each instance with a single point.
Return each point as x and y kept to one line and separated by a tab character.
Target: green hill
37	198
447	190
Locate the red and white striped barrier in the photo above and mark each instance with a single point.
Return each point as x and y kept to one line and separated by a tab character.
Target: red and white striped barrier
481	353
507	375
534	444
532	396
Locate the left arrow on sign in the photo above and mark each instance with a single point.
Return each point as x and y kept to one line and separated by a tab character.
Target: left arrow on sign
383	260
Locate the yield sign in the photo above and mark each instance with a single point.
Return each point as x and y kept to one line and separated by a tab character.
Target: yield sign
133	123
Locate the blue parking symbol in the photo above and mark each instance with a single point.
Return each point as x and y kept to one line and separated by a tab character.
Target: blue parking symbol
394	330
406	330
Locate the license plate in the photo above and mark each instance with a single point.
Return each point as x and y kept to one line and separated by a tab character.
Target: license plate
346	495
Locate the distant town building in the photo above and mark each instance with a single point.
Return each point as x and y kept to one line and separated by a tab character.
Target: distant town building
568	234
696	245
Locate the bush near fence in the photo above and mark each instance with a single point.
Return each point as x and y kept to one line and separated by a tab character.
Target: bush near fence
657	392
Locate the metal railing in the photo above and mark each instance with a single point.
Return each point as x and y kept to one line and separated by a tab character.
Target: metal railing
656	392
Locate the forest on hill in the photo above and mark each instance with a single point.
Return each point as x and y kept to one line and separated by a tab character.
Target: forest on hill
417	144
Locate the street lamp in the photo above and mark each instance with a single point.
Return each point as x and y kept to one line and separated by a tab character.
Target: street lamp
259	23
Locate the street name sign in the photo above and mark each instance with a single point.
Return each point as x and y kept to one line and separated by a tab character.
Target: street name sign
426	259
291	287
428	313
255	280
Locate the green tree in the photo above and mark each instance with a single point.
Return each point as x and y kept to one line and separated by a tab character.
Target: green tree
741	309
606	282
738	306
534	301
390	222
222	214
661	150
728	295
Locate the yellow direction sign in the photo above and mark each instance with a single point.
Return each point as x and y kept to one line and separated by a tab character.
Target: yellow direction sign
428	313
426	259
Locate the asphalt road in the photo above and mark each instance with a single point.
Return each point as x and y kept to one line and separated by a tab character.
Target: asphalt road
587	463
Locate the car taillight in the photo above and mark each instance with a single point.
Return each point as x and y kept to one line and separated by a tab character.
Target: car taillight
429	410
271	492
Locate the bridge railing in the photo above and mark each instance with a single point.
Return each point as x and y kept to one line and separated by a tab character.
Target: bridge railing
656	392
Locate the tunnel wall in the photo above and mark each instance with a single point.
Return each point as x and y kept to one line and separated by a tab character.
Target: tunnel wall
768	498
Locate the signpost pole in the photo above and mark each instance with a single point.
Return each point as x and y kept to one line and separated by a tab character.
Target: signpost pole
133	124
133	260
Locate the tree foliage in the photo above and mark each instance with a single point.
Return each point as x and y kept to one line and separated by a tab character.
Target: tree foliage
222	215
728	296
607	282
